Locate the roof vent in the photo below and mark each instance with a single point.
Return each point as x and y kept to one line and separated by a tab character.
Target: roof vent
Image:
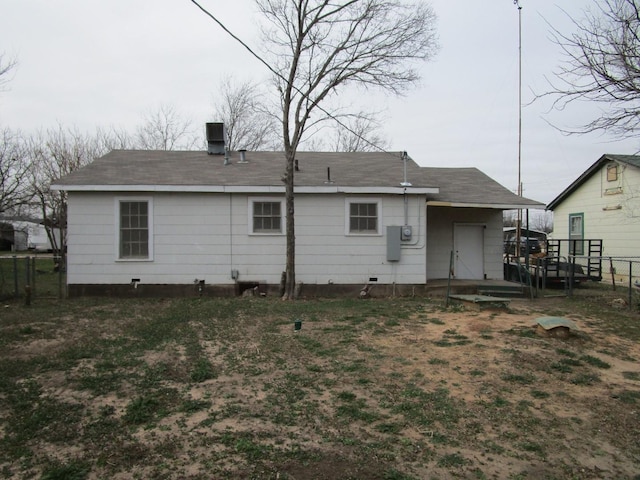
216	138
405	182
243	156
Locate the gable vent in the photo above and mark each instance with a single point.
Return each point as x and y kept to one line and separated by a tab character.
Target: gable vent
215	138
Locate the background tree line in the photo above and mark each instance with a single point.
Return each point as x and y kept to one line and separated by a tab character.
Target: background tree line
31	162
314	50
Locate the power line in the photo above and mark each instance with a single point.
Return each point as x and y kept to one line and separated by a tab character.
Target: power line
277	74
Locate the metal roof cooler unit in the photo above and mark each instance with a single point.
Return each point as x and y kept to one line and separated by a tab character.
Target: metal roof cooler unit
216	138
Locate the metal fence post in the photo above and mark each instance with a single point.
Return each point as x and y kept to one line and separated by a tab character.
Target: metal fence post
630	283
27	270
15	276
571	276
612	271
33	275
449	278
27	285
60	276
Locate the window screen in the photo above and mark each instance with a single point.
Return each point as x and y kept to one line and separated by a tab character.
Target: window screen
363	218
134	229
267	217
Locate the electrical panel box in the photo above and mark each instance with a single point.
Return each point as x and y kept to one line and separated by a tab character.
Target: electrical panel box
406	232
393	243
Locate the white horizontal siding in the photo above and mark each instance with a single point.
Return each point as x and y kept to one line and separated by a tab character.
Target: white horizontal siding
326	254
619	229
204	237
441	221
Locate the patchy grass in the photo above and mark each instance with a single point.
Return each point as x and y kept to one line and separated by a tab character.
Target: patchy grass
379	389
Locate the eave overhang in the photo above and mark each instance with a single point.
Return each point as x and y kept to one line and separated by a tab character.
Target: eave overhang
494	206
326	189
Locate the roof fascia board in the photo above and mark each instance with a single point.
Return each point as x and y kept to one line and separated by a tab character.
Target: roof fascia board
246	189
494	206
375	190
579	181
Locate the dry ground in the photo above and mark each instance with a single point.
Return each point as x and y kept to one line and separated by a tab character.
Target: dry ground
373	389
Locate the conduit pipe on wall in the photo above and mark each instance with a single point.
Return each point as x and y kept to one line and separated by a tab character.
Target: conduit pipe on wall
419	242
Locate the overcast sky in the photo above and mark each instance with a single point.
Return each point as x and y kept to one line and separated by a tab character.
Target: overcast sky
103	63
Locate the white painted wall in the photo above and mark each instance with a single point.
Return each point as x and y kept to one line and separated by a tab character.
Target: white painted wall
611	212
205	236
440	225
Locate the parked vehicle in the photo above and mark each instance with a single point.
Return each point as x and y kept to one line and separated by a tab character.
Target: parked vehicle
532	245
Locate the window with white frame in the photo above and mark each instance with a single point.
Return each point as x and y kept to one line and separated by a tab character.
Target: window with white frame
363	216
134	229
266	216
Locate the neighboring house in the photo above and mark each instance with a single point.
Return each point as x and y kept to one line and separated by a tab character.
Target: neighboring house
603	203
26	234
39	238
177	222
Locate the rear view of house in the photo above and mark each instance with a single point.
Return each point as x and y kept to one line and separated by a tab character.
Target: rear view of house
167	222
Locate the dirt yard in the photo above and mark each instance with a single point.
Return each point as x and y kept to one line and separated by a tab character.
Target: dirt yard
373	389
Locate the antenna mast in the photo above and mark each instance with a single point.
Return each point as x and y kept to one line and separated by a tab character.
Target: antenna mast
519	222
517	3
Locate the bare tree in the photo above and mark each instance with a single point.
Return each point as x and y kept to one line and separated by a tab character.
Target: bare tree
510	218
350	133
113	139
317	47
361	135
53	154
542	221
6	65
166	129
247	122
602	65
14	173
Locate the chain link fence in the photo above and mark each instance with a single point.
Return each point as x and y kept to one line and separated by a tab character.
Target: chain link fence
620	274
31	277
551	273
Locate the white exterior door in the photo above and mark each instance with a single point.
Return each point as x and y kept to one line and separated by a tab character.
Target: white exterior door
468	241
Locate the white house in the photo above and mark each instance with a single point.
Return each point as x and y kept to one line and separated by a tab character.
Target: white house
603	203
181	222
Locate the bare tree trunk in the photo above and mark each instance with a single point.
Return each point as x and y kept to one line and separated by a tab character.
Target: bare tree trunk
318	47
290	283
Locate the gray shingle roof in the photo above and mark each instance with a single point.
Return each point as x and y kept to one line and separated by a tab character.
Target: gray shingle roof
471	186
142	168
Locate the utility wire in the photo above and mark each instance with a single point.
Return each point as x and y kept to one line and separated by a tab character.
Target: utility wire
277	74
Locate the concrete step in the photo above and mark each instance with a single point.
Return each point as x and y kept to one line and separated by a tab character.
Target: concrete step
511	292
